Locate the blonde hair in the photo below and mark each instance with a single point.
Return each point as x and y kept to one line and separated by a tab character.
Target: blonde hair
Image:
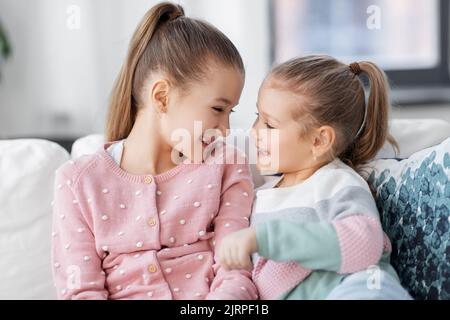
165	40
334	96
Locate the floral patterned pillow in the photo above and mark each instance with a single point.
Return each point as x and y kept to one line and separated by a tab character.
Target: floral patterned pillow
413	197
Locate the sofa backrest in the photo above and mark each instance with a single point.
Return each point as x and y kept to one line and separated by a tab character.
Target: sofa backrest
413	198
26	190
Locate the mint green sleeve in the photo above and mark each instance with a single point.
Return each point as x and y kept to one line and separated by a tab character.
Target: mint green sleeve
313	245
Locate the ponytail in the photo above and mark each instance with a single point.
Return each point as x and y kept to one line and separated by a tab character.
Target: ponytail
122	106
165	40
374	130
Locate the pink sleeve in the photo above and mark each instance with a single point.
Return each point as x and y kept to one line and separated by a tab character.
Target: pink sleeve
77	270
361	241
235	209
273	278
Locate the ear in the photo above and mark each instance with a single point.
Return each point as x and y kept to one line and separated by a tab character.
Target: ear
323	141
160	95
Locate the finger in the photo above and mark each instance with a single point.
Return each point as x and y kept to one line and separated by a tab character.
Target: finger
245	260
223	256
235	257
220	255
249	264
228	258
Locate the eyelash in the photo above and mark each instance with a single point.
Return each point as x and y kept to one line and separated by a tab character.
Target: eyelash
218	109
266	124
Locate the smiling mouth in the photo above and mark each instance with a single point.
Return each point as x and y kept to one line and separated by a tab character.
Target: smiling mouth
206	142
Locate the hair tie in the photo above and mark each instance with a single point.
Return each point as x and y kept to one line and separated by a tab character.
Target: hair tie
362	124
355	68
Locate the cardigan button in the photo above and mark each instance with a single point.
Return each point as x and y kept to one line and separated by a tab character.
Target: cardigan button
148	179
152	268
152	222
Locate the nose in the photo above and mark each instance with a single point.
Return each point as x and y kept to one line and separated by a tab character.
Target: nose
224	127
254	130
253	134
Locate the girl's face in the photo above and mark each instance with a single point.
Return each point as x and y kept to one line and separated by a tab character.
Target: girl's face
281	146
203	110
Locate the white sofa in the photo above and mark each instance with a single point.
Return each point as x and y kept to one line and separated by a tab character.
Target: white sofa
27	169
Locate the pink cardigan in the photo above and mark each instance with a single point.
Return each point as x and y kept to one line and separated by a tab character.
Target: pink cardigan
123	236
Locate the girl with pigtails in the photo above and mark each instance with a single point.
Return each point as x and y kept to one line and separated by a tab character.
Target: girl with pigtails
315	230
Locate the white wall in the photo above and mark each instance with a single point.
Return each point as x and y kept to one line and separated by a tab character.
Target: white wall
56	72
246	24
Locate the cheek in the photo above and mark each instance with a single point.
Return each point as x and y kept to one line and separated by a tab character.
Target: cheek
197	121
292	151
186	130
284	143
184	121
285	149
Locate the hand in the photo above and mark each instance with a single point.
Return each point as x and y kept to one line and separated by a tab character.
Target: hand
236	248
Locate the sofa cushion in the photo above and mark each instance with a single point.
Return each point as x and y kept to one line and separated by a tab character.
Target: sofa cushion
86	145
26	190
413	197
414	135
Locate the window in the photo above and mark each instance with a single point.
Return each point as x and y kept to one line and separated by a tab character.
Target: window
407	38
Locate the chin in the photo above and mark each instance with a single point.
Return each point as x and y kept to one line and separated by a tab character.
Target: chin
266	169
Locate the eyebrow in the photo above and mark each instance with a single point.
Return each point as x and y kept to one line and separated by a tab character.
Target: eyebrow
223	100
267	115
